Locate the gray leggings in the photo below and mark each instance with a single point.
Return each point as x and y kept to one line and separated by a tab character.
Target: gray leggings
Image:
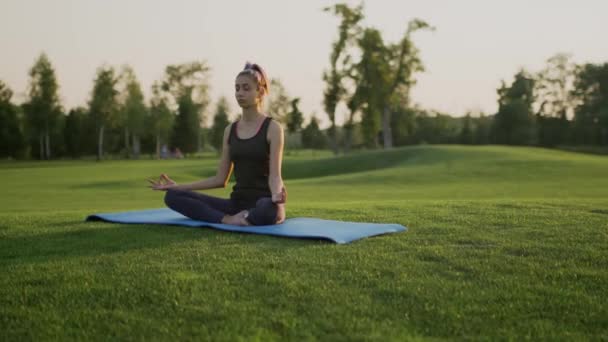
211	209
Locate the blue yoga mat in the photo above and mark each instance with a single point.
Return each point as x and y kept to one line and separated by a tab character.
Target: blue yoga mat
303	227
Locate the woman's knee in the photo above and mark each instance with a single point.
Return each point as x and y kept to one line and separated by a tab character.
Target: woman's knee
264	213
265	203
170	197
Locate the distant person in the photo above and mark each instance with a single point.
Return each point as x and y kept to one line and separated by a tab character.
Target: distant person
164	152
177	153
253	147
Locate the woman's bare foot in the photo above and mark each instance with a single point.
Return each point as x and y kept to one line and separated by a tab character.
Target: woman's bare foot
238	219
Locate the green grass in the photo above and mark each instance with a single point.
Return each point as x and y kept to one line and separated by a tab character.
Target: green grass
503	243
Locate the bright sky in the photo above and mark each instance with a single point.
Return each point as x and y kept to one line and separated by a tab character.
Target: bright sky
477	42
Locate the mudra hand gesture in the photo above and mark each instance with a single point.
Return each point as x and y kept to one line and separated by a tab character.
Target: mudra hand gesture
163	183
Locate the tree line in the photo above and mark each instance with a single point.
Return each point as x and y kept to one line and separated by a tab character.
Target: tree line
370	79
563	104
118	120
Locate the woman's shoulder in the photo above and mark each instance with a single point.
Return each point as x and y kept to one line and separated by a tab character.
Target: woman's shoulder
273	123
228	128
275	130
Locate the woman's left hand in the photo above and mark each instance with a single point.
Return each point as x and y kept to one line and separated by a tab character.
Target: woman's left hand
280	213
280	197
163	183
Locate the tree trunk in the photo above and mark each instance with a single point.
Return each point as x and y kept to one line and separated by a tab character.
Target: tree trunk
333	138
127	145
157	145
41	141
47	144
100	144
136	146
348	132
387	133
199	143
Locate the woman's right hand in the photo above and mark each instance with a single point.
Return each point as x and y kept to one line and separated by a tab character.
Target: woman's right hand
163	183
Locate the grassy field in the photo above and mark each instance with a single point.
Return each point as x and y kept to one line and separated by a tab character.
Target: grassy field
503	243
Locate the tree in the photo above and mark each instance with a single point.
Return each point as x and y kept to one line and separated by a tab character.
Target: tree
103	104
295	118
186	129
12	142
278	102
372	70
591	111
466	134
514	123
483	129
75	132
436	128
384	77
220	122
312	136
42	108
554	87
133	110
161	118
188	87
404	124
340	64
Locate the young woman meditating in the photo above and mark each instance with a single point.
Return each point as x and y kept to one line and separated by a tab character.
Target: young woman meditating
253	147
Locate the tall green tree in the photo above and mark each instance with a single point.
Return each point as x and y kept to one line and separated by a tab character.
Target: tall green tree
554	87
385	74
186	129
161	118
12	141
133	111
436	128
43	107
483	129
295	118
278	101
372	70
514	124
312	136
75	132
340	65
103	105
403	124
467	134
188	86
220	122
591	112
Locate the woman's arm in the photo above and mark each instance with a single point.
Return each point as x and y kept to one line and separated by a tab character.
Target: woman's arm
275	180
221	177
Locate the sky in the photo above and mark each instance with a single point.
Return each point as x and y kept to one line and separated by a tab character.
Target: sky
476	44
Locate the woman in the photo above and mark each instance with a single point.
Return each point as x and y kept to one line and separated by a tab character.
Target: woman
253	147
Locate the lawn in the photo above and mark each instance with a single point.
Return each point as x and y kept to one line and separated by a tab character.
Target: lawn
502	243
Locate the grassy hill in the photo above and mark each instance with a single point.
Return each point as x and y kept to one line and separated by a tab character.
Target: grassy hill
503	243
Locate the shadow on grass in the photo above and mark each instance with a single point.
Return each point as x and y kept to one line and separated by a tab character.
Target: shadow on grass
119	238
105	185
367	161
87	242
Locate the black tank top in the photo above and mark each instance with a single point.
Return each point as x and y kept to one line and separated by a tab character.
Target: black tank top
251	158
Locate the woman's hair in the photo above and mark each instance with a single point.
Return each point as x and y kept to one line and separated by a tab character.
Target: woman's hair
259	76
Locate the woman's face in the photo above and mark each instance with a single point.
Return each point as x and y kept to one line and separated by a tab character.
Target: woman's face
246	91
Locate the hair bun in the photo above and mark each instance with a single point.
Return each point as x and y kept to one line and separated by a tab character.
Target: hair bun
260	75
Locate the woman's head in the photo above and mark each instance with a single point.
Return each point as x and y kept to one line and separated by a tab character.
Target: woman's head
251	85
